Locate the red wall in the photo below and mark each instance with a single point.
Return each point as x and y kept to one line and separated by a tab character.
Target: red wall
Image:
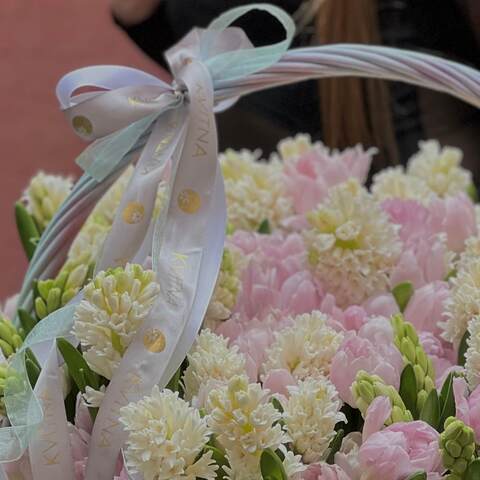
40	40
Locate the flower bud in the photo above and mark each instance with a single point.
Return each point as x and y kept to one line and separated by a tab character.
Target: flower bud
457	446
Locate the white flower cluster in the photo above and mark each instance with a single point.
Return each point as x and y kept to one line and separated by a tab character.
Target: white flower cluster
254	190
166	439
226	290
210	361
393	182
464	301
352	246
440	168
294	147
44	196
432	172
311	413
246	423
305	348
472	355
114	306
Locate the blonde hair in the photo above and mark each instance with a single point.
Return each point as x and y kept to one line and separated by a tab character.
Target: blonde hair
354	110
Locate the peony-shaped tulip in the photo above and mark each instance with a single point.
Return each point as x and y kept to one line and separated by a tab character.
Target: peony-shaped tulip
312	171
400	450
371	350
426	307
455	216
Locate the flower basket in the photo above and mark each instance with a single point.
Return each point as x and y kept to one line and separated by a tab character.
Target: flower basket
331	333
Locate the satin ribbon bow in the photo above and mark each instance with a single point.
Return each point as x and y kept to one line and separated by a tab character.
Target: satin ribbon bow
169	130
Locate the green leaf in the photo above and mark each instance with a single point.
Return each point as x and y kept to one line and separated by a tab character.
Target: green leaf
418	476
408	389
26	320
473	470
33	372
174	382
431	410
451	274
402	294
27	230
75	363
473	194
220	460
276	403
71	403
335	445
31	356
265	227
462	349
271	466
447	401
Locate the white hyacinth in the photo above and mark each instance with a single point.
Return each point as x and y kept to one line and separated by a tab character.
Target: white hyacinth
440	168
472	355
244	466
305	348
245	423
293	147
44	196
464	301
254	190
226	290
310	415
93	398
211	359
166	439
114	306
393	182
352	245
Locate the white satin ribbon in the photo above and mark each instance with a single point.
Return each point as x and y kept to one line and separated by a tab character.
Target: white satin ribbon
179	268
49	450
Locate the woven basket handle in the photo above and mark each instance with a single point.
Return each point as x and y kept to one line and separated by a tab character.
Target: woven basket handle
344	60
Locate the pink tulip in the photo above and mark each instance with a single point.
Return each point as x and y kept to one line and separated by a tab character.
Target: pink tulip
309	177
253	337
323	471
426	307
424	256
400	450
372	350
382	305
277	381
454	216
376	416
467	406
442	356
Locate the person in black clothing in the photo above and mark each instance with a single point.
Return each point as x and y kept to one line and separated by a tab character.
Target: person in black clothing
340	112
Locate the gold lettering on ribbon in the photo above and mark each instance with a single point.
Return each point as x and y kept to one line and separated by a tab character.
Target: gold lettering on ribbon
154	161
175	278
203	123
129	385
47	431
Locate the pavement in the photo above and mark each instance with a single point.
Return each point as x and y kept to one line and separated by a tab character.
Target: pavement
40	40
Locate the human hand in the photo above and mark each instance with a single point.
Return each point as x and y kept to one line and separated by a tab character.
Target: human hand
132	12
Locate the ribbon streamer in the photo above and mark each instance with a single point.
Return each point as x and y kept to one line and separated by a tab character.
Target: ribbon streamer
137	115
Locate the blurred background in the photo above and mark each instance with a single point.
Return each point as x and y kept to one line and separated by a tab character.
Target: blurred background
40	40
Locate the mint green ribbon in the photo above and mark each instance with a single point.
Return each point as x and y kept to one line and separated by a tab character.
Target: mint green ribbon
103	157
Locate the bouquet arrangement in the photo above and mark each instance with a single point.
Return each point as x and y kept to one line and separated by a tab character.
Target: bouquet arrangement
341	340
331	334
